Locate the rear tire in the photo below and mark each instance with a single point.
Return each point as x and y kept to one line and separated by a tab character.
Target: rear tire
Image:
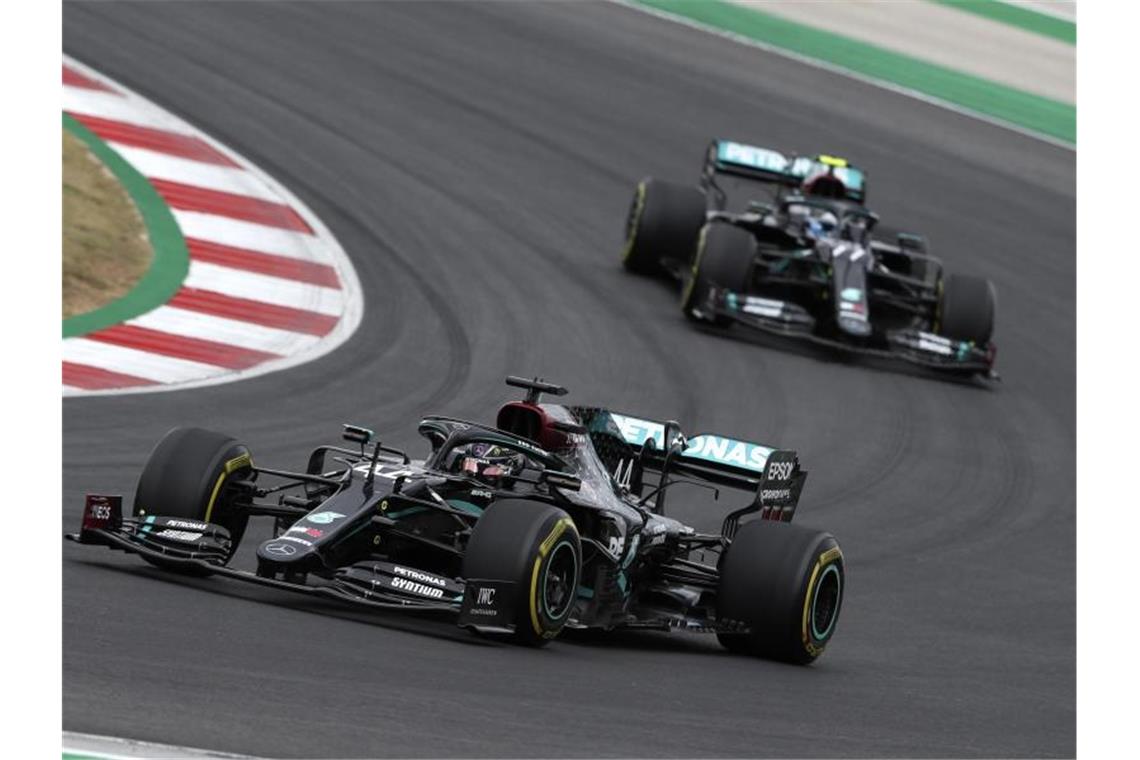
663	222
724	258
536	547
967	309
786	583
186	476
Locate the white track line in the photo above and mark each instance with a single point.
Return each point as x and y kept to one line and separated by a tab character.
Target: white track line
155	165
130	361
195	324
264	288
250	235
125	108
114	748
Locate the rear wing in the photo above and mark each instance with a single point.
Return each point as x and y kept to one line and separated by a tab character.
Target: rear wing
631	445
739	459
767	165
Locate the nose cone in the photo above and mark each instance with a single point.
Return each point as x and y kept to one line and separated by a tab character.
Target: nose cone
860	328
285	550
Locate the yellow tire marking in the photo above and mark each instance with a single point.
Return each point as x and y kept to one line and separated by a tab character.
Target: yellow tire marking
825	559
543	548
638	209
691	283
533	599
559	528
242	460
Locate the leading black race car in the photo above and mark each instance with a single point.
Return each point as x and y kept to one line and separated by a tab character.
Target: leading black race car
784	245
554	517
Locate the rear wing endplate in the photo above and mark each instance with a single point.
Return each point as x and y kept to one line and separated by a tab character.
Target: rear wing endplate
629	445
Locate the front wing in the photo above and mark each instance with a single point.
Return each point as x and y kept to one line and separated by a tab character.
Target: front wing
205	547
790	320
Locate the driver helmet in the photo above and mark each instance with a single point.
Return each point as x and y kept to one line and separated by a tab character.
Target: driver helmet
490	463
821	226
825	185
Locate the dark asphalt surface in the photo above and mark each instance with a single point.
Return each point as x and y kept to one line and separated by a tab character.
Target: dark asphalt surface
476	162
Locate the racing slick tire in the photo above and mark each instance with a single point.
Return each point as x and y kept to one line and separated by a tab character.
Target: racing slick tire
186	476
966	309
724	258
663	222
785	583
536	547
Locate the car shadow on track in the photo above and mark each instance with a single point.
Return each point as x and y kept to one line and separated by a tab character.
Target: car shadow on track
430	623
643	641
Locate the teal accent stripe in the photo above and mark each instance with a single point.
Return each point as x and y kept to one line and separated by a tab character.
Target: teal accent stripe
460	504
1019	16
1047	117
171	261
466	506
831	623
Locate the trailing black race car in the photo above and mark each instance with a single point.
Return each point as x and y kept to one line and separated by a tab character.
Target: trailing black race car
785	245
555	517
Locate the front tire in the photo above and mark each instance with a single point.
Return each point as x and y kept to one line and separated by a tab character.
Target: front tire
536	547
724	258
186	476
785	583
967	309
663	221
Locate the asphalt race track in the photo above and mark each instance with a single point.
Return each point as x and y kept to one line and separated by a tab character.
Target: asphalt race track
476	161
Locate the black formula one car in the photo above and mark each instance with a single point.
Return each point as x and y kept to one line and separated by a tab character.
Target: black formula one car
784	245
554	517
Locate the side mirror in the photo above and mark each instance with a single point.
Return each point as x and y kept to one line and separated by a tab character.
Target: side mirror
562	480
912	243
761	208
357	434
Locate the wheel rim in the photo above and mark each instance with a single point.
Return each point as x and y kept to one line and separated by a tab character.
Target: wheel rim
825	604
560	581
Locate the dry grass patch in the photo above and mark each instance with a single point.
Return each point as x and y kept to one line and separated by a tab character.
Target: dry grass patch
105	246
